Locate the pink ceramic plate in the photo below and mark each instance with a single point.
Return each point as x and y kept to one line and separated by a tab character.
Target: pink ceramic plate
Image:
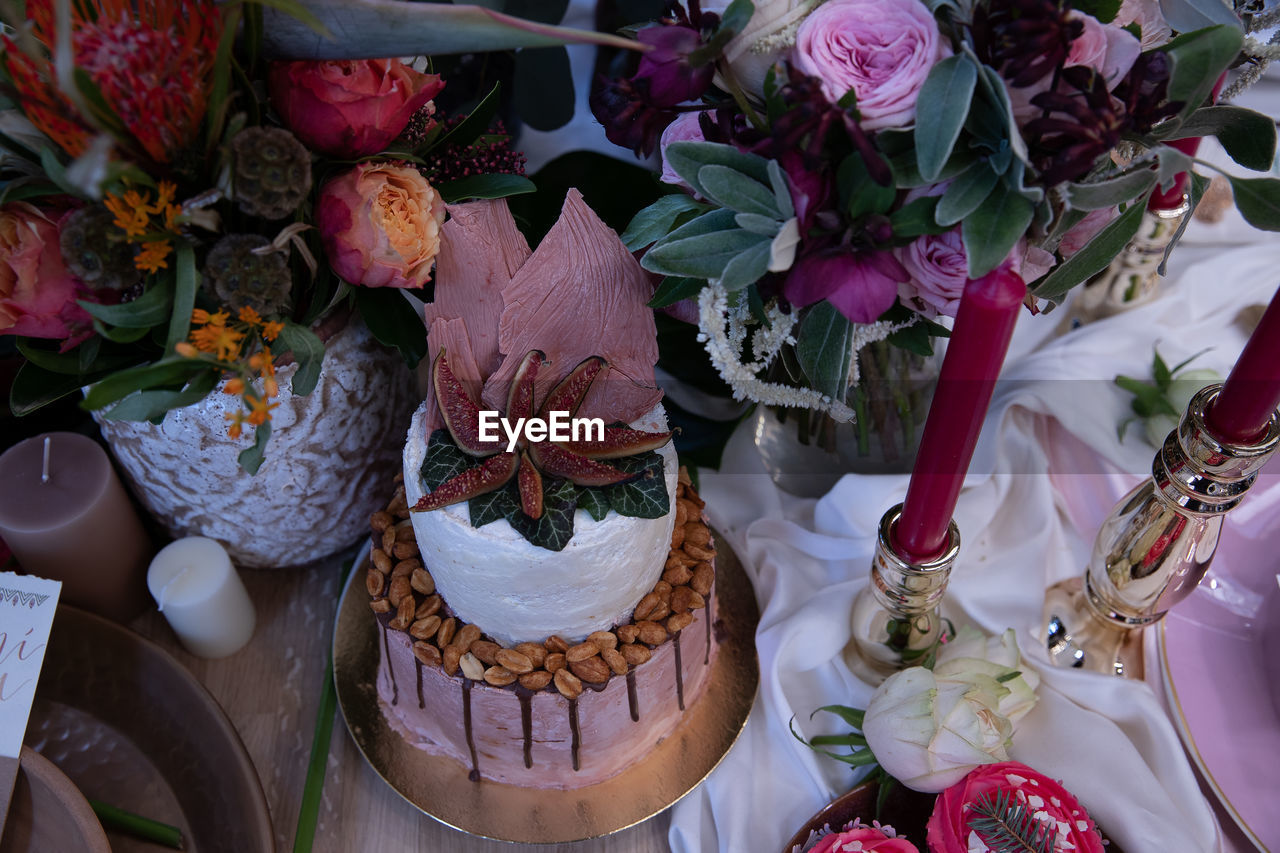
1222	674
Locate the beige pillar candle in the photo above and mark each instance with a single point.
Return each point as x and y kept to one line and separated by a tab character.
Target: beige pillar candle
65	516
202	597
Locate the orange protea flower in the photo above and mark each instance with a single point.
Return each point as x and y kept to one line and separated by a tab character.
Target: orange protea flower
151	59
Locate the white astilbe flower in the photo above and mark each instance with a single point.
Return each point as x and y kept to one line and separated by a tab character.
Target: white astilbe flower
870	333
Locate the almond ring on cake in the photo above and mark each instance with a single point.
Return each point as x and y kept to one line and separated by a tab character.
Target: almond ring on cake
555	713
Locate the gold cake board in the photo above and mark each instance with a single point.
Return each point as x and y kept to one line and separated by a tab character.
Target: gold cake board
438	786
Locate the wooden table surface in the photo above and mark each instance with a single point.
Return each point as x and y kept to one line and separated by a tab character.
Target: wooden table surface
270	690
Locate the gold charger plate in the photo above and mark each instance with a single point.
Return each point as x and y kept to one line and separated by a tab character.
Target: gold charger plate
438	786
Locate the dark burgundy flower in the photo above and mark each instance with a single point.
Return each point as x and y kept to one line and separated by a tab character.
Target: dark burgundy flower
811	189
1144	89
1081	122
666	68
1024	39
862	285
629	118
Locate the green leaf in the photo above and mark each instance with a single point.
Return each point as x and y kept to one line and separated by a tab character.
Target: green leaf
1199	58
153	307
72	363
218	100
25	189
595	503
303	15
991	231
57	173
184	294
1101	195
443	460
860	194
308	352
688	158
755	223
1160	371
747	268
1104	10
393	321
1199	185
676	289
701	248
554	528
657	219
467	130
918	337
824	347
1258	200
850	739
543	88
117	386
644	497
781	190
484	186
852	716
250	459
737	15
145	405
965	193
1095	255
906	175
1184	16
33	387
996	95
494	506
944	99
916	218
733	189
1249	137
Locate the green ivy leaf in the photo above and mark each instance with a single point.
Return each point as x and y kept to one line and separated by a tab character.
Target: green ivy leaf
443	460
595	502
645	496
555	528
498	504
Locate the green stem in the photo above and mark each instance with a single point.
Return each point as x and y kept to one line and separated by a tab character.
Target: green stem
740	97
145	828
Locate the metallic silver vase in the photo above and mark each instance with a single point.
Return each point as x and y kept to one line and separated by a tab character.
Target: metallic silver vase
895	618
1155	546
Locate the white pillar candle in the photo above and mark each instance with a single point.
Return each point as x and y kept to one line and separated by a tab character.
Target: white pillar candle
202	597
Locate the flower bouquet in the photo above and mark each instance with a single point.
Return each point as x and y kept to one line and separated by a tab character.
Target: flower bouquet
843	168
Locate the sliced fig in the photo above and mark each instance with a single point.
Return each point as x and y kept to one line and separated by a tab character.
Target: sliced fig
493	473
461	414
520	396
568	393
617	442
578	469
530	483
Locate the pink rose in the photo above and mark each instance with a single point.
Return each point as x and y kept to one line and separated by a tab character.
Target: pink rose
37	292
349	108
861	285
1108	50
939	270
868	839
381	225
683	129
881	49
949	829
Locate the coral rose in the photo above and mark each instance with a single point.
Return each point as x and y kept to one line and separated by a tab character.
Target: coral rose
381	225
37	292
951	829
881	49
349	108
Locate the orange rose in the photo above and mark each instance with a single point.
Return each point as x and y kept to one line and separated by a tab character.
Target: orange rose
381	225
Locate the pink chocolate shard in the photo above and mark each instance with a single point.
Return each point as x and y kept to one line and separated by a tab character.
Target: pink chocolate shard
581	294
480	250
455	337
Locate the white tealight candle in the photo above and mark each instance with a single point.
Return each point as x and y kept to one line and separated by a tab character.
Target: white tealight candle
202	597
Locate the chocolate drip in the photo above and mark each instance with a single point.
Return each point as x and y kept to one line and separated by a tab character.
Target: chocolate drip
526	722
632	699
577	735
391	671
474	775
679	672
706	618
418	667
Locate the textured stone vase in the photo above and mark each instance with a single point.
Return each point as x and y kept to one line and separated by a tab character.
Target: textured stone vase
327	467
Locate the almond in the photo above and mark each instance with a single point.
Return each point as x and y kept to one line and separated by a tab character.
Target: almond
535	680
556	643
374	582
703	575
405	550
594	670
514	661
452	659
636	654
652	634
380	521
616	661
603	639
444	636
679	621
485	651
425	629
471	666
582	651
699	553
380	560
426	653
677	576
429	606
535	652
647	606
380	606
555	662
568	684
398	589
628	633
404	614
499	676
466	635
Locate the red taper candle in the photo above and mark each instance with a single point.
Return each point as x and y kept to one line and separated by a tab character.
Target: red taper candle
1189	146
1252	391
989	309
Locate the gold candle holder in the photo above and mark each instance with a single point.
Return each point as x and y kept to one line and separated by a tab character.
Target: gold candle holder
896	620
1155	546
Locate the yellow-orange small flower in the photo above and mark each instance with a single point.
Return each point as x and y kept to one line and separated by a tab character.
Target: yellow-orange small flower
222	341
272	330
261	410
186	350
234	386
152	257
263	362
199	315
270	387
237	419
250	315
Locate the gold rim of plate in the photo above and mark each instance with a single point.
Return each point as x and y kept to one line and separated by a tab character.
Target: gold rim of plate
438	786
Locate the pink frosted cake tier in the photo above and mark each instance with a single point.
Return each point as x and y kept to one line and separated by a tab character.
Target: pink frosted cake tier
557	714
